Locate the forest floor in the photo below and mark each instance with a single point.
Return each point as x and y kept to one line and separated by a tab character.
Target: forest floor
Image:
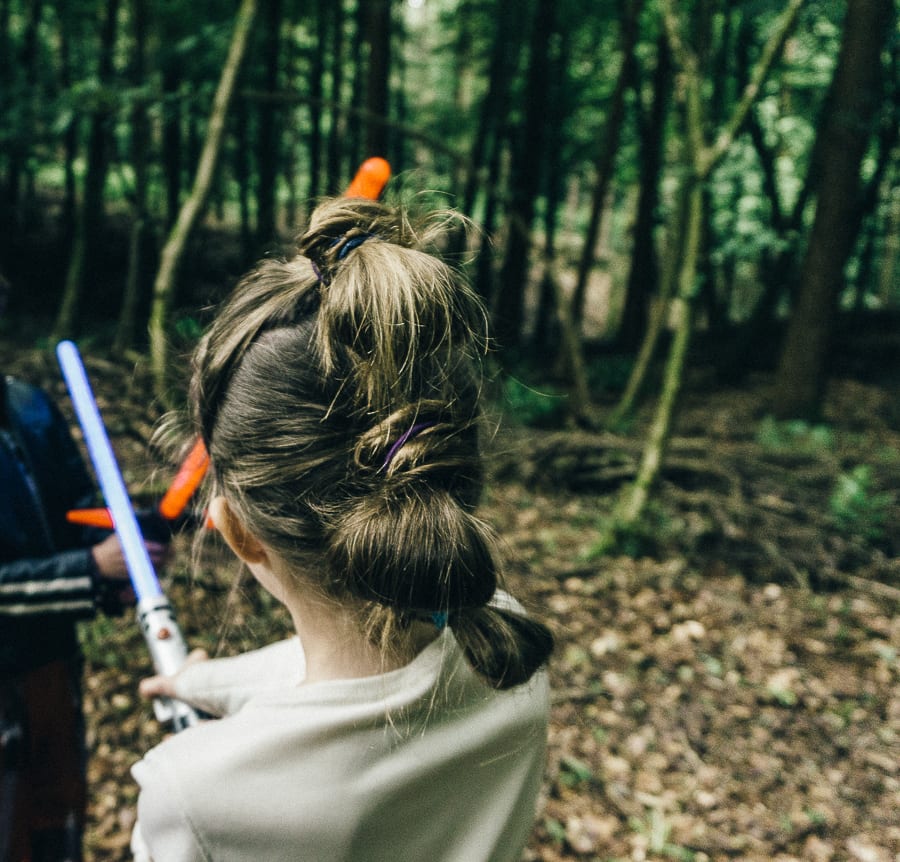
727	690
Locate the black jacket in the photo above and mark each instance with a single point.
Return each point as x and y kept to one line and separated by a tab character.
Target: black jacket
47	577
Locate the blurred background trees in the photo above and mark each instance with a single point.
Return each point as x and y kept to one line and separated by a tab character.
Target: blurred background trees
559	126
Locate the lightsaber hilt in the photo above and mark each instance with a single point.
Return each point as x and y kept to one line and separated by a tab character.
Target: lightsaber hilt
168	651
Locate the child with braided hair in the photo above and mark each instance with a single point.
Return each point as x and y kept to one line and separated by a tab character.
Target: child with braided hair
338	396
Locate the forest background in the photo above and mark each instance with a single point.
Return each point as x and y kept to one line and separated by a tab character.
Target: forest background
688	230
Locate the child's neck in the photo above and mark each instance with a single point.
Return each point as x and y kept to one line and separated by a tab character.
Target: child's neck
336	647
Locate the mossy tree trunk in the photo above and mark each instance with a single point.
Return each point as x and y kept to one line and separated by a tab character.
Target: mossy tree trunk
700	157
190	212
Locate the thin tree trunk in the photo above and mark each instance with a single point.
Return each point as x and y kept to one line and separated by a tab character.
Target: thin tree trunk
190	212
675	253
544	338
70	137
606	155
378	38
889	282
352	152
701	159
527	155
25	116
140	135
268	148
316	75
338	123
635	501
491	116
90	221
242	175
171	131
643	275
484	265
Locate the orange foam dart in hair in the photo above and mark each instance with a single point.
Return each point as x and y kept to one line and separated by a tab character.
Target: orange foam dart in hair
185	482
370	179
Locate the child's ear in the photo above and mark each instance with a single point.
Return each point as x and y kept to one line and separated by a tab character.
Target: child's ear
239	538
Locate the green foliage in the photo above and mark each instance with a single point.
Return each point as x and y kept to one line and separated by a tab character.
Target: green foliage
657	830
610	374
101	643
555	830
189	328
573	772
531	407
637	539
856	507
794	436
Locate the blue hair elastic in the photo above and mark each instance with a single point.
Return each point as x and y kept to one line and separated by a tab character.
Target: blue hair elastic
439	618
350	244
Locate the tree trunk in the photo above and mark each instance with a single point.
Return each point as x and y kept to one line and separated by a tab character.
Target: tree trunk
316	75
484	263
242	176
90	221
606	155
268	149
643	275
70	137
525	181
889	282
190	212
545	335
674	255
701	158
140	135
491	116
338	122
378	38
634	502
352	152
800	380
23	122
171	129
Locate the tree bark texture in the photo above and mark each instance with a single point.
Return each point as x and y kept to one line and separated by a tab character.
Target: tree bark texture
190	212
606	154
89	222
268	149
800	380
525	181
378	38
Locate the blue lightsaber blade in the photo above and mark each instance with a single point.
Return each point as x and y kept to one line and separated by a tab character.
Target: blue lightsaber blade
157	622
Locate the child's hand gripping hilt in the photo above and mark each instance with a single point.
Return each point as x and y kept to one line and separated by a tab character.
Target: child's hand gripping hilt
168	651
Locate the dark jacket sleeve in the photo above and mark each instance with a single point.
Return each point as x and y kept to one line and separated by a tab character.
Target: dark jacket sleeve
64	582
45	562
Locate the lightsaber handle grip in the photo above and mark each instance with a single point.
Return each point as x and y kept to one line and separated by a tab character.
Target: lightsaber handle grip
168	651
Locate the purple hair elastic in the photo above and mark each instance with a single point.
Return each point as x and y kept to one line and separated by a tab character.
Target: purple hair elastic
404	438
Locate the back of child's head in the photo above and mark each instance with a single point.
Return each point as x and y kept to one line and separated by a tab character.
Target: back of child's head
338	395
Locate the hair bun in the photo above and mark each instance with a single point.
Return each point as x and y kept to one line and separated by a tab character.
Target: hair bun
398	549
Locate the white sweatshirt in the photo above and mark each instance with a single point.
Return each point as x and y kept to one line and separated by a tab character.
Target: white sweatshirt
422	763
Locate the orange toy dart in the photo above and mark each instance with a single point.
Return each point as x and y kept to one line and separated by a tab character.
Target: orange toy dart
370	179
